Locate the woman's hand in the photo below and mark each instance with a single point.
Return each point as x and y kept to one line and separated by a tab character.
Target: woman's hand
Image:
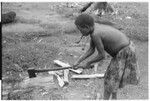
75	65
87	65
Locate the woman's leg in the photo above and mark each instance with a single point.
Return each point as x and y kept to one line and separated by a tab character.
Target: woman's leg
106	94
114	95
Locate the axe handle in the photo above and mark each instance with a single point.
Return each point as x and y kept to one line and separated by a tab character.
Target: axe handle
53	69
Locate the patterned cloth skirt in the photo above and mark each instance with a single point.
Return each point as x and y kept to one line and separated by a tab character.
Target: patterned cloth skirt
122	70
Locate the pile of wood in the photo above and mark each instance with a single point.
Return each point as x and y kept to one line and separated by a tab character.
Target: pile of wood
63	75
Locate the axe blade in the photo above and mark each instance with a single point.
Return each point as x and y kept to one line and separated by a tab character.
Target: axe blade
31	73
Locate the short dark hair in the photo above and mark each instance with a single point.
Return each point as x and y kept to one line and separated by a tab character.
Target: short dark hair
84	20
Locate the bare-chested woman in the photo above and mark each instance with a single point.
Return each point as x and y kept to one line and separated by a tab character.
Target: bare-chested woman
123	68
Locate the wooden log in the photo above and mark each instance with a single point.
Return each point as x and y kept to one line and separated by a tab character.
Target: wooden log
87	76
62	64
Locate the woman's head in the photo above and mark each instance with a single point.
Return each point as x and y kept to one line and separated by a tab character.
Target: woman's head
85	23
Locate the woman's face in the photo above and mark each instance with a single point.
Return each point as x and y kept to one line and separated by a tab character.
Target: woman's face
85	31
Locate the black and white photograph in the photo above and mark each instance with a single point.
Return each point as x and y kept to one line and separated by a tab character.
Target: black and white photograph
74	50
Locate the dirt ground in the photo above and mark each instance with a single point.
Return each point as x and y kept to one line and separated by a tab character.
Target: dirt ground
43	32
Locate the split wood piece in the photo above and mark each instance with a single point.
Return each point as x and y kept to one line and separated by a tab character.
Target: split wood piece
51	72
60	72
60	80
95	67
62	64
66	74
87	76
79	71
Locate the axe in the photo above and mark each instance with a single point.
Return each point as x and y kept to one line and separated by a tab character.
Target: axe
32	72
